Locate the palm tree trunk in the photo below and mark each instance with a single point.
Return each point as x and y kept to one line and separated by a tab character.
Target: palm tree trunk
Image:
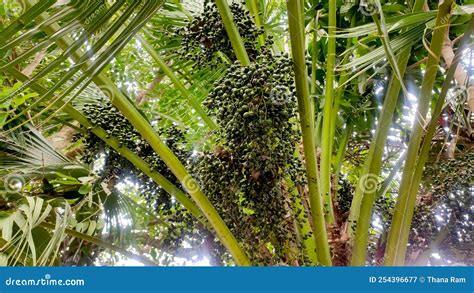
326	151
233	32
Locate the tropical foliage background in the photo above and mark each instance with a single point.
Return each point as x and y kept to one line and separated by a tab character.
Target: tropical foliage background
215	132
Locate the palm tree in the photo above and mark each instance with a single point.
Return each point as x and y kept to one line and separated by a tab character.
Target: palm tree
191	124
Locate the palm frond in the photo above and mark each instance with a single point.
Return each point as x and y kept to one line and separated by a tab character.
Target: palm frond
377	57
28	151
22	234
393	24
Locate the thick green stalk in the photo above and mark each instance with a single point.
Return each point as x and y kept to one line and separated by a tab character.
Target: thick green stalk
313	90
342	148
326	153
314	68
399	231
177	83
119	100
296	25
233	32
252	6
364	197
334	117
344	76
101	243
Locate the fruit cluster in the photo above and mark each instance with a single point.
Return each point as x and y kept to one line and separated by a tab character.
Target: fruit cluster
256	110
109	118
204	37
344	195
